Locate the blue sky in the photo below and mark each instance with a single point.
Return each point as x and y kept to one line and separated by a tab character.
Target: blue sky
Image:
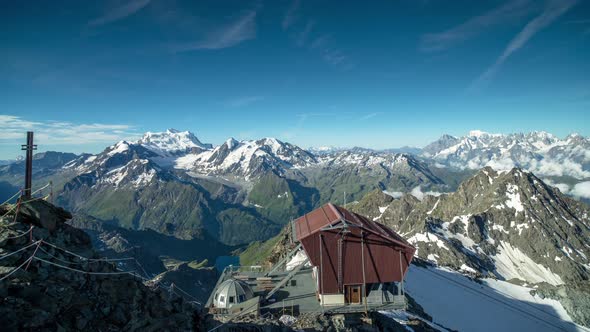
84	74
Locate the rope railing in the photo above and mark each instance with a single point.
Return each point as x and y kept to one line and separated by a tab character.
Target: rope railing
17	268
89	259
20	191
20	235
13	196
20	202
82	271
59	259
187	294
142	269
38	190
173	288
9	210
21	249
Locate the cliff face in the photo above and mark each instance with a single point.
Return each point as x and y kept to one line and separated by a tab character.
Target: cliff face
62	284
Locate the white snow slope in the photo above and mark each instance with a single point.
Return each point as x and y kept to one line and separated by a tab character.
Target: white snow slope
456	302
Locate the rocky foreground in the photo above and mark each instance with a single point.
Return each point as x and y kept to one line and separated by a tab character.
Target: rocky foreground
90	295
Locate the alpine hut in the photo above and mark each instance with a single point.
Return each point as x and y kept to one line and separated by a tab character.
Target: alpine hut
355	260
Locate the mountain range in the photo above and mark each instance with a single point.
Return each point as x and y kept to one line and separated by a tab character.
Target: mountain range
562	162
242	191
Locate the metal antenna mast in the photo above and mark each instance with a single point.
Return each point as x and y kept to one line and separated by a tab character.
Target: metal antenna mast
29	147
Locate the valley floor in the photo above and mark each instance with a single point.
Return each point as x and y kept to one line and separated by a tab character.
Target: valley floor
457	302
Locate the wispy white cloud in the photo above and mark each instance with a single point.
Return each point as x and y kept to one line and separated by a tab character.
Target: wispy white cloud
62	133
563	167
331	55
229	35
553	10
242	101
305	34
394	194
441	41
369	116
563	187
581	189
292	14
302	118
120	12
302	36
419	194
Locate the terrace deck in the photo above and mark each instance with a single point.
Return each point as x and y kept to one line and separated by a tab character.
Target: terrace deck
298	296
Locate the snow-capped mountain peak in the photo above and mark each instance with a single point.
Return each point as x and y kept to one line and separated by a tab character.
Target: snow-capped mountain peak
248	158
121	146
172	141
231	143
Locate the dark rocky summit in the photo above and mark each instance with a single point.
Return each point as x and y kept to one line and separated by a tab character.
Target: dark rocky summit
80	294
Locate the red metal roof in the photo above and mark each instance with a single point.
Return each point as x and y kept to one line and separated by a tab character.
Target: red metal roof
368	252
331	215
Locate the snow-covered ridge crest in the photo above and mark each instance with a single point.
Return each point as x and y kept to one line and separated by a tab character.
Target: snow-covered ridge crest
171	141
247	158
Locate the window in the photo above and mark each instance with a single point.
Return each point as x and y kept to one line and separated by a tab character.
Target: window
221	299
216	296
231	299
242	298
293	282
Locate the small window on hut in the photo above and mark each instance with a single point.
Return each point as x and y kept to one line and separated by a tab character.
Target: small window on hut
231	299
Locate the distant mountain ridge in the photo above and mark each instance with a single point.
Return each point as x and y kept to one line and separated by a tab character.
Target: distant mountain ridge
540	152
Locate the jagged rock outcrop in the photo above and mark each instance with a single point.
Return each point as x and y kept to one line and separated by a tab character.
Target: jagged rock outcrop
80	294
505	224
42	214
574	297
508	225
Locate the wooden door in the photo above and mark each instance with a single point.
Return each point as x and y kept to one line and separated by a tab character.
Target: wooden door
353	293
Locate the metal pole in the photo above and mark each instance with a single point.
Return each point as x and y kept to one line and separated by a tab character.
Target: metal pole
321	276
363	263
401	271
340	287
29	147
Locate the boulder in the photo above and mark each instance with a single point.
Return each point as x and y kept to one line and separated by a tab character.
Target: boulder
43	214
